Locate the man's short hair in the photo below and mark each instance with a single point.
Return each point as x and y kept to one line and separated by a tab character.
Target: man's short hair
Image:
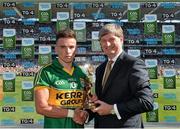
66	33
111	28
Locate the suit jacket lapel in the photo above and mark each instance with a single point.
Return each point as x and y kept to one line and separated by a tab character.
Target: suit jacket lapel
116	68
100	74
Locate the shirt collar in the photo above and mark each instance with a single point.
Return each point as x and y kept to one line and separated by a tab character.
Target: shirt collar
115	58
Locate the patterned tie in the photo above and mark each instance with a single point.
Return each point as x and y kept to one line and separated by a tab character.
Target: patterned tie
107	72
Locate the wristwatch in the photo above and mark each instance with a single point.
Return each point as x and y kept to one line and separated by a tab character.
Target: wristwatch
112	111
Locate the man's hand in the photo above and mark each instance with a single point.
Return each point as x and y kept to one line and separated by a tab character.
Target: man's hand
80	116
103	108
93	98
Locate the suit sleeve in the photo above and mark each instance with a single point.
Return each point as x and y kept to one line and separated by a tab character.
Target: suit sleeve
142	100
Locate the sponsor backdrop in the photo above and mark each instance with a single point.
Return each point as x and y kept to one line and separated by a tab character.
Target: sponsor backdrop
27	40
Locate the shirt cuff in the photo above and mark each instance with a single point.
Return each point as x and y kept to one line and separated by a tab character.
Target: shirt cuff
87	119
116	111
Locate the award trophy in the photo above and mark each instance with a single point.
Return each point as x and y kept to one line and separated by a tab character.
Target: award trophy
87	94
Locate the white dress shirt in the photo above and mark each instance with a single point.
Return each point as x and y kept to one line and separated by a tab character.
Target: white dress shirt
115	105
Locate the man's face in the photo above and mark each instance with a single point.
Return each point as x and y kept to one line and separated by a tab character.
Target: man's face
65	49
111	44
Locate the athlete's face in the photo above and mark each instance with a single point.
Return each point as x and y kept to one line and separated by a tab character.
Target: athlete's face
65	49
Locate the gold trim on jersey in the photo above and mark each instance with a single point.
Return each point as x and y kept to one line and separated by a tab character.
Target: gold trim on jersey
69	72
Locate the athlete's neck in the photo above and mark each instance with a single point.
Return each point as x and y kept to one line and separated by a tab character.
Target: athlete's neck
66	65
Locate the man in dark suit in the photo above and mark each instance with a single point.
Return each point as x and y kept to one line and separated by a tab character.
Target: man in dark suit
125	93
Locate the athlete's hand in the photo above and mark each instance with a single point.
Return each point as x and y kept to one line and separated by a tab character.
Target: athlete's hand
80	116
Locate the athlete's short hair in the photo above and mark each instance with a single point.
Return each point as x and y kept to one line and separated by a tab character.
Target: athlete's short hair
66	33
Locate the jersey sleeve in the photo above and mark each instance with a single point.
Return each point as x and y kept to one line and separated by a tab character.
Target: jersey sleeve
42	78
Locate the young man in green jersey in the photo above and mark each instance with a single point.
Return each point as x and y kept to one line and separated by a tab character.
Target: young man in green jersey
59	87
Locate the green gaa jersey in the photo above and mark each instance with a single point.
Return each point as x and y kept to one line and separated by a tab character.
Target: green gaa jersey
65	90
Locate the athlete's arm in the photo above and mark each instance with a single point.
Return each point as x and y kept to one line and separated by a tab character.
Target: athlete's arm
43	108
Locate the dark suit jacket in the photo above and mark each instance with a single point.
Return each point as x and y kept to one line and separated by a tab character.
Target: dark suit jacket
128	87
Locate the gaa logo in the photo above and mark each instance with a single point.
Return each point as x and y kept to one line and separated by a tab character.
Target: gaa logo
60	82
73	85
